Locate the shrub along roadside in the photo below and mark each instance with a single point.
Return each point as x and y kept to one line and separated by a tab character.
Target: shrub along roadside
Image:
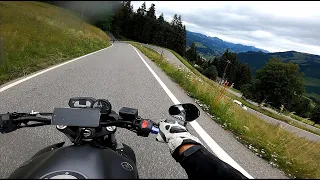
296	156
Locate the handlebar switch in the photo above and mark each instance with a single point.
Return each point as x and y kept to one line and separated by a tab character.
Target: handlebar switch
144	127
6	123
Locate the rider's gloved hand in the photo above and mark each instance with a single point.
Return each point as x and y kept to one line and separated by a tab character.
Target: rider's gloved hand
175	135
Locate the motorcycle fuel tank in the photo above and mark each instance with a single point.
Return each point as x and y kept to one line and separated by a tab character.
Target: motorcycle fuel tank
77	162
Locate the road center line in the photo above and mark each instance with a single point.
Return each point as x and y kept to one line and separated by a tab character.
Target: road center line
48	69
220	153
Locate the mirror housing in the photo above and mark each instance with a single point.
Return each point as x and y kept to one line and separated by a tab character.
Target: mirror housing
185	112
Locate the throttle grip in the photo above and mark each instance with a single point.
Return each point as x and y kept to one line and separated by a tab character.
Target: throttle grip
146	126
154	130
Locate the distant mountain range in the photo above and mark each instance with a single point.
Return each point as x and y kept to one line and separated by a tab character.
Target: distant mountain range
309	64
256	58
213	46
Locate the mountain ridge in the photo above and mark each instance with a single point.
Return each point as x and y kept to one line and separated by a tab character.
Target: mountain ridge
217	45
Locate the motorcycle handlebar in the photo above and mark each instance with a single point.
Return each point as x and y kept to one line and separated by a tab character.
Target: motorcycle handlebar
37	119
142	127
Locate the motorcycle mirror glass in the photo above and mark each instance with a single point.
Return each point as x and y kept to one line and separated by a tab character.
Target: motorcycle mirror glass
186	112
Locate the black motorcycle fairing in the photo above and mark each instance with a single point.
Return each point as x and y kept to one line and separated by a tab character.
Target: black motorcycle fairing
50	148
84	161
128	152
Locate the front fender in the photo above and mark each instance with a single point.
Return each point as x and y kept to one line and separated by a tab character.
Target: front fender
49	148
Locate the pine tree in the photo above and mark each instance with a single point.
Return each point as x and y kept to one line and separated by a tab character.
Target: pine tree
161	19
192	54
144	8
151	13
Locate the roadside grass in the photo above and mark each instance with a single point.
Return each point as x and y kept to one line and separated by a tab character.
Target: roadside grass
296	156
304	120
300	118
235	90
309	81
280	117
37	35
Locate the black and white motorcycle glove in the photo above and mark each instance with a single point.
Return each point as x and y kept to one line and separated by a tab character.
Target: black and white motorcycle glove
175	135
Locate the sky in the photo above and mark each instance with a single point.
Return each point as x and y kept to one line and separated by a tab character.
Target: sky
271	25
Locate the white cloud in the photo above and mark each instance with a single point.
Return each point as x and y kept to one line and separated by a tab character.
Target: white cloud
274	26
261	34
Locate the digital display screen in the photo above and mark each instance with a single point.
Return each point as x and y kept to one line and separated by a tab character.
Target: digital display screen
82	117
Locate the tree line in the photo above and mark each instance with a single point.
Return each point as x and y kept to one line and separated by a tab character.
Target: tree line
144	26
235	72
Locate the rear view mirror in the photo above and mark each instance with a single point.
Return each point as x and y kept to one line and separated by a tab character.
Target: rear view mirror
185	112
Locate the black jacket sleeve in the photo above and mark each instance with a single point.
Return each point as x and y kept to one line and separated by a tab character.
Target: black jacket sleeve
203	164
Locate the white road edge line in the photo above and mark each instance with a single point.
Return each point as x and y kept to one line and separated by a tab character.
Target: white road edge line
46	70
220	153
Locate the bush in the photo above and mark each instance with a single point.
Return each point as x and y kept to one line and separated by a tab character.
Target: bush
211	72
315	116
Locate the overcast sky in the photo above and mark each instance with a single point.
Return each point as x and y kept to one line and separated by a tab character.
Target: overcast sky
274	26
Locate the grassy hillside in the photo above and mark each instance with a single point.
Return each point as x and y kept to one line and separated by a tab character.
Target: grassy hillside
199	45
37	35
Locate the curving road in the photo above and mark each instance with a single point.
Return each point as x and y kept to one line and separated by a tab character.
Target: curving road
118	74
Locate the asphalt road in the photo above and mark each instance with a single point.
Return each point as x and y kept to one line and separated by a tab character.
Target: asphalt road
300	132
118	74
